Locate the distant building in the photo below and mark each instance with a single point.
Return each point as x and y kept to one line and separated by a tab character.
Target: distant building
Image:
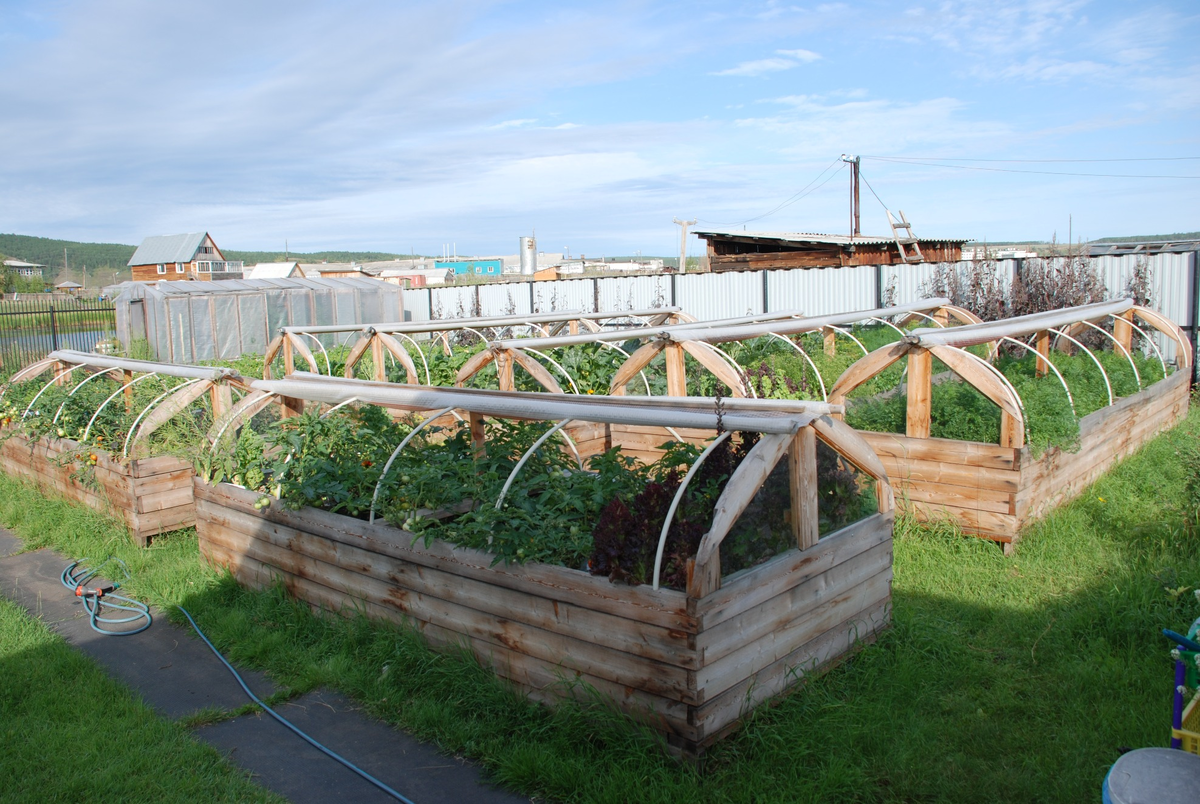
493	266
73	288
1139	247
417	277
275	270
741	250
997	253
338	270
29	270
180	257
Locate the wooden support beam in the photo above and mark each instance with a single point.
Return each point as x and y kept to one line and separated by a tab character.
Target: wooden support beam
709	358
1012	431
632	365
574	327
920	375
676	371
536	370
60	373
401	354
478	434
290	407
356	352
802	468
380	368
1122	331
289	361
942	316
473	366
1043	351
300	348
272	350
504	369
830	342
221	396
126	378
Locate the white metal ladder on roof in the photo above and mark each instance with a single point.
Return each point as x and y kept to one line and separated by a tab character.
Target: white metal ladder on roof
906	240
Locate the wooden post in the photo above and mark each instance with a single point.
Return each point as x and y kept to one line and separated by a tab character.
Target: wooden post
676	378
289	361
920	370
60	373
478	437
222	399
830	342
802	466
1122	331
1043	350
1011	434
126	378
942	316
380	374
290	406
504	369
574	327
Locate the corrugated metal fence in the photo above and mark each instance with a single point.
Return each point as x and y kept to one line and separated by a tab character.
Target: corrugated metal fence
814	291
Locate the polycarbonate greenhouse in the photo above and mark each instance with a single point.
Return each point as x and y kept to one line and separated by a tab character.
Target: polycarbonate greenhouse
189	321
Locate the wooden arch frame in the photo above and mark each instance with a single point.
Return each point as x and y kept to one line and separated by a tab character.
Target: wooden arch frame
920	388
704	573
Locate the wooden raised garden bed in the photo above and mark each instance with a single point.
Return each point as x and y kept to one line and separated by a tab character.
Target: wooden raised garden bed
688	663
150	495
991	490
994	491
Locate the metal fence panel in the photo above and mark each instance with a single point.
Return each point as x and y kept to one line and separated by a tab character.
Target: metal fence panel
711	296
31	329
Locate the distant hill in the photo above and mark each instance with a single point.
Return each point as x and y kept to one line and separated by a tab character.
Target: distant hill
101	259
1145	238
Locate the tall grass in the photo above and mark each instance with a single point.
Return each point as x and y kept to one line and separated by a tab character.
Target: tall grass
1008	679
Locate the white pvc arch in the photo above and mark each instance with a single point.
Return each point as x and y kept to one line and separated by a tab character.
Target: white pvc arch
666	528
1136	374
133	427
1103	373
1153	345
1000	376
82	383
1044	359
46	387
391	459
529	452
113	396
865	351
557	365
804	354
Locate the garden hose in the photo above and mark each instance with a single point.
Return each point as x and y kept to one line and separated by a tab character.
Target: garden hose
102	598
345	762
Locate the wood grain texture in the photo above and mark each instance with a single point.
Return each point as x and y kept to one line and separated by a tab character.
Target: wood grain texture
681	665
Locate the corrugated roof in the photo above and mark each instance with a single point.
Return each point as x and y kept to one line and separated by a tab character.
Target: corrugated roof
168	248
139	290
273	270
811	237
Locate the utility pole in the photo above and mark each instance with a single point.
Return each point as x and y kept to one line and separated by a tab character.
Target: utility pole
683	243
855	210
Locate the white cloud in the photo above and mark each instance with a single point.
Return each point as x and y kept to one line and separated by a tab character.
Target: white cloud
805	56
785	60
524	121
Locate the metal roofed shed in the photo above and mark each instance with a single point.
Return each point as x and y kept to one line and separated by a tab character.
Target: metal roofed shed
190	321
740	250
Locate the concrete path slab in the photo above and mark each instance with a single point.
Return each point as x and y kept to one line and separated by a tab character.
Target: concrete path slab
177	675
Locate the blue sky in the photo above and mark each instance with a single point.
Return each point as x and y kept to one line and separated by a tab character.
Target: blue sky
390	126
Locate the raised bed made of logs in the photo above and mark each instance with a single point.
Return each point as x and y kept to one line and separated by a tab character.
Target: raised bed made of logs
689	667
150	495
994	491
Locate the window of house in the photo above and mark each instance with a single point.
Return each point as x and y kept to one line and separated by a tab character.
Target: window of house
178	267
162	269
205	267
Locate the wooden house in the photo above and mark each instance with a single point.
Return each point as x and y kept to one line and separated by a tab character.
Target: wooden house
183	256
742	251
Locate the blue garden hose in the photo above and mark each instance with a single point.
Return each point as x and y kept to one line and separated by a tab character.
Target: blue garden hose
281	719
102	598
76	577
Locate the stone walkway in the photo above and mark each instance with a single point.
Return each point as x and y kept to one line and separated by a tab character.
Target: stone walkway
177	674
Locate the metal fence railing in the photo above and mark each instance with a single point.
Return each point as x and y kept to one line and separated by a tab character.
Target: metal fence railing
30	330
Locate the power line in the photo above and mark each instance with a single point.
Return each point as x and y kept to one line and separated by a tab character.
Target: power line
964	159
907	161
804	191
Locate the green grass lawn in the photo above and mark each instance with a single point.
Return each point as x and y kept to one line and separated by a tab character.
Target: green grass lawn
1003	679
68	732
